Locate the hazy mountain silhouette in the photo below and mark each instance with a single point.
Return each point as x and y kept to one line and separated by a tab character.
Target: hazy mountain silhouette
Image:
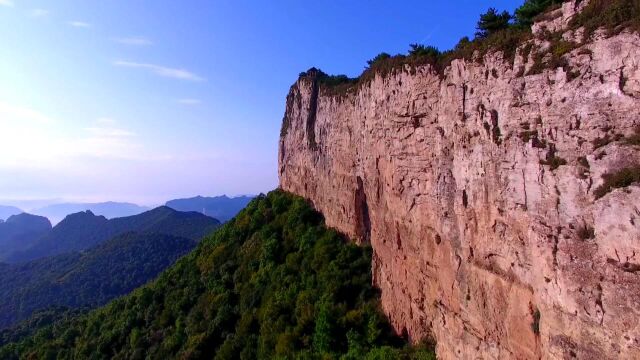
222	207
110	210
84	230
21	231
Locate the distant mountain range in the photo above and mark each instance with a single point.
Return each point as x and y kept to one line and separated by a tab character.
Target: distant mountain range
6	211
110	210
222	207
83	230
22	231
111	269
80	226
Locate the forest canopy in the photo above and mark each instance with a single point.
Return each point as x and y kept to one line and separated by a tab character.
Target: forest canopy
272	283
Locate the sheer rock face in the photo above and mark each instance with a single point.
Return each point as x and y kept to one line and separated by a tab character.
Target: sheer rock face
474	239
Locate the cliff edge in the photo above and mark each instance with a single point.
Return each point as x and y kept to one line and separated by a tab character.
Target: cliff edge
499	198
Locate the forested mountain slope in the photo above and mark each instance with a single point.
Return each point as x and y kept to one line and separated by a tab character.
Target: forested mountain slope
272	283
89	279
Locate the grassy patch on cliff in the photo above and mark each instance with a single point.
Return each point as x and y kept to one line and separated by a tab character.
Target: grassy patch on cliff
633	139
619	179
611	15
273	283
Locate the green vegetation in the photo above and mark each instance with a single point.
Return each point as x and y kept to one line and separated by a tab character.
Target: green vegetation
417	50
505	33
535	325
601	141
551	159
527	135
496	134
554	162
633	139
335	83
611	15
584	162
583	167
619	179
527	13
585	232
37	321
492	22
536	142
378	59
273	283
90	279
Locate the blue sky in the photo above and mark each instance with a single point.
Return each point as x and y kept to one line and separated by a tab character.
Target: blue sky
150	100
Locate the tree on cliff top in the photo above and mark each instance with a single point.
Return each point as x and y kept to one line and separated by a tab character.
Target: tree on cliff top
422	50
525	14
378	58
491	22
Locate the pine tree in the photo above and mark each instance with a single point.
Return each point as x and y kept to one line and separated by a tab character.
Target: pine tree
491	22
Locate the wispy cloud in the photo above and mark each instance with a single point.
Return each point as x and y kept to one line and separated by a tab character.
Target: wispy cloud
189	101
107	143
8	3
9	111
134	41
163	71
35	141
105	121
38	13
109	132
107	127
106	139
79	24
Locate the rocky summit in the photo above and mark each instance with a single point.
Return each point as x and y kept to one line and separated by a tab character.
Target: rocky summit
497	193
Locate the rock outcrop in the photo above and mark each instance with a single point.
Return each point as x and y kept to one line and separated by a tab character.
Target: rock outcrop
475	189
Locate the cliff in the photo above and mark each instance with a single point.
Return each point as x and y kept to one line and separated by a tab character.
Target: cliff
481	192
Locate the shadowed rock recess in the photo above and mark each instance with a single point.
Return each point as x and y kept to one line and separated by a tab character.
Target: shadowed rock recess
477	189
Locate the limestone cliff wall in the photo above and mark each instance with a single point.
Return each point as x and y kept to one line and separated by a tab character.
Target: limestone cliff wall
474	239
